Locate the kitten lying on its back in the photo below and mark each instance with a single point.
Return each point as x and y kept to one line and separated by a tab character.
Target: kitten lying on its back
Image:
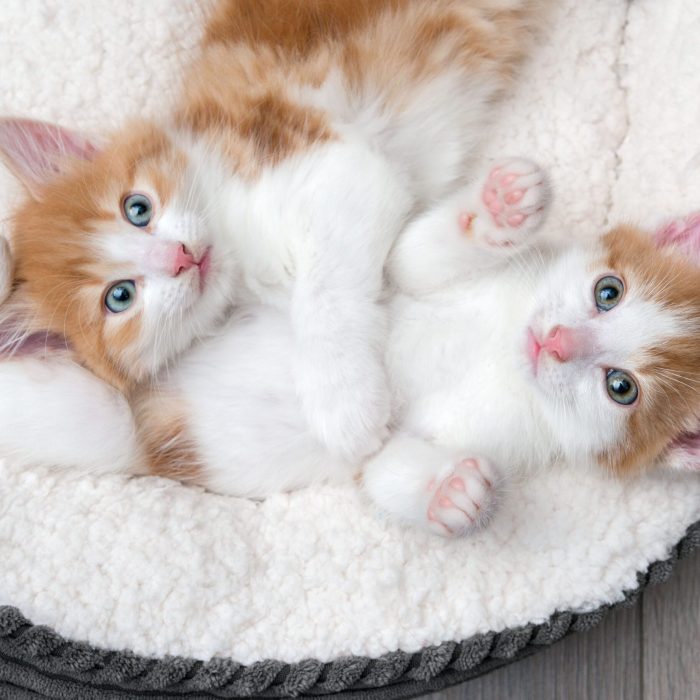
588	354
307	133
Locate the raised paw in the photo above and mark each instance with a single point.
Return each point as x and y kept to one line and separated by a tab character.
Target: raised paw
463	499
512	204
346	404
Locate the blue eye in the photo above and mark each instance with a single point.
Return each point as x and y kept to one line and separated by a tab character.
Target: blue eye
621	387
138	209
608	292
120	296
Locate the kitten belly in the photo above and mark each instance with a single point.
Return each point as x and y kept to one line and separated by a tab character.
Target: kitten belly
459	371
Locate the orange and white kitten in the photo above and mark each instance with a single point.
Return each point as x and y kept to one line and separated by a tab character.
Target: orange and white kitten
307	134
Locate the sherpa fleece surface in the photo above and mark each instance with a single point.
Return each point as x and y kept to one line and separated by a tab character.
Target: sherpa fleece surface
610	105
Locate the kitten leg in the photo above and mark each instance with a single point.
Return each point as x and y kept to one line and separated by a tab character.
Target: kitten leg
481	225
434	487
339	370
354	208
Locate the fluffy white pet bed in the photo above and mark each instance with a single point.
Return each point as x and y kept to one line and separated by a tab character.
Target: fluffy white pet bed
611	107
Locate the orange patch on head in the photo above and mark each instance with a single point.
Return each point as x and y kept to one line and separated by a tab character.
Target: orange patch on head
670	401
58	265
164	172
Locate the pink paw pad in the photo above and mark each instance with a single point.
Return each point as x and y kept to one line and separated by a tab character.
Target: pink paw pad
513	193
514	196
461	499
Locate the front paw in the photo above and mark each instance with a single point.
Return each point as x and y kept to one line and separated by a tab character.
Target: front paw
346	405
463	500
511	205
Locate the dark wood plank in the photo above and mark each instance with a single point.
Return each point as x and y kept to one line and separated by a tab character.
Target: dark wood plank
671	635
604	664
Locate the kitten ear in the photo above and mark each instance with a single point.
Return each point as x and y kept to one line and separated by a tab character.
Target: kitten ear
37	151
19	334
684	452
681	234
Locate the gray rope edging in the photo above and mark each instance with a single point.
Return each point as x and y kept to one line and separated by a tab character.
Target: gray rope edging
43	657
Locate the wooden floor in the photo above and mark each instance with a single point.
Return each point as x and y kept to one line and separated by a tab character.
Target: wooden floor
648	652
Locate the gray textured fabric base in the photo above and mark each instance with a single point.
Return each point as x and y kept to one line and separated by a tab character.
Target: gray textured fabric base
36	662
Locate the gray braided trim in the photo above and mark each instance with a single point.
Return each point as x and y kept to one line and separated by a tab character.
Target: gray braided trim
35	661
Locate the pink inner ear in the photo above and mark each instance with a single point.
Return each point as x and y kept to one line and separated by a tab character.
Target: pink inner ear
684	451
37	151
15	343
689	442
682	234
52	138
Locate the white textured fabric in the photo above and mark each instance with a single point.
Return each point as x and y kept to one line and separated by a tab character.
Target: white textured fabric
611	107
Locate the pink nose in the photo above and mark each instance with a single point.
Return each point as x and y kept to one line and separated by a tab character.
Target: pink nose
169	258
560	343
181	260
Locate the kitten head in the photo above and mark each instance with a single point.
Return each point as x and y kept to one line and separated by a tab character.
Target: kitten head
614	348
112	249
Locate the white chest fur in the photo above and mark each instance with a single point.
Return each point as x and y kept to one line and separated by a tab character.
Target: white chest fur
458	365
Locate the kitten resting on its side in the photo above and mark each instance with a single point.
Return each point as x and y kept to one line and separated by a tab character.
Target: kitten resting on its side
306	135
502	356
